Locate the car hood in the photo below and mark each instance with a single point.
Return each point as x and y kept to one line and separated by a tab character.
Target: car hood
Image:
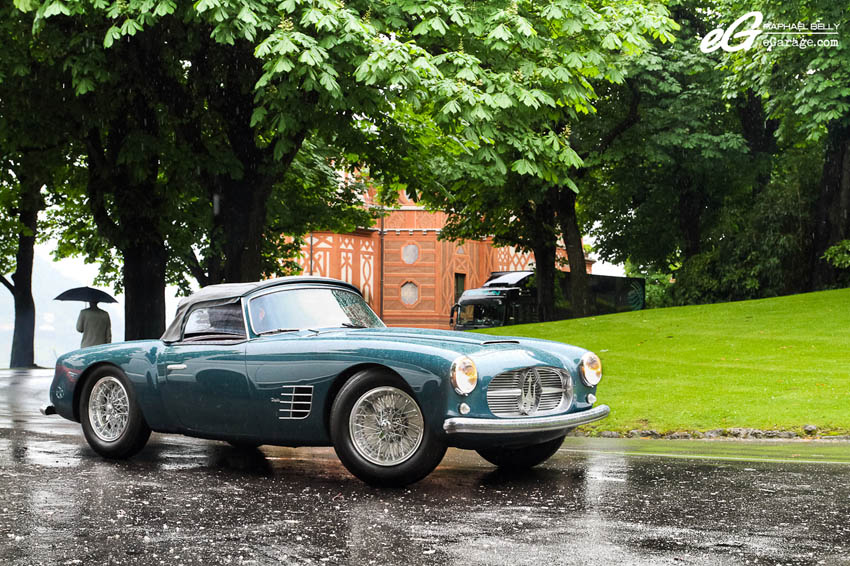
504	352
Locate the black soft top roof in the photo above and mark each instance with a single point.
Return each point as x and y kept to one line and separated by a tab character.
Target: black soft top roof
225	293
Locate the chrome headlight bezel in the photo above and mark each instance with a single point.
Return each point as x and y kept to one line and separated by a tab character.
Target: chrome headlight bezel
464	375
590	368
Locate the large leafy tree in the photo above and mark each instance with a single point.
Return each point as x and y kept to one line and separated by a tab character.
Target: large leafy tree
757	221
203	108
202	111
524	76
35	133
718	192
807	92
656	196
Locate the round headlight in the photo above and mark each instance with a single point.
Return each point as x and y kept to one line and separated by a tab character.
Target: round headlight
591	369
464	375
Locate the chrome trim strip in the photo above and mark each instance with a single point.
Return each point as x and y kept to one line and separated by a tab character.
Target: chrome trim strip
470	425
244	304
171	367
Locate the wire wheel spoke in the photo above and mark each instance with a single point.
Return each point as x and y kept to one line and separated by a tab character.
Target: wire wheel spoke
109	408
386	426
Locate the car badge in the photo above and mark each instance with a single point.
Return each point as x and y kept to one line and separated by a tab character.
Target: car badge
531	391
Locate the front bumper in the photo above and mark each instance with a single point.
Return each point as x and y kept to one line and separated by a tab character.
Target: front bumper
469	425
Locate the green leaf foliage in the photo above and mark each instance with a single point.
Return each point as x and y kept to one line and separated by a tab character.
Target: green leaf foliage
804	86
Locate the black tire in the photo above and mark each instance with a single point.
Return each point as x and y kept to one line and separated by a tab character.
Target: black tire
521	458
418	454
123	441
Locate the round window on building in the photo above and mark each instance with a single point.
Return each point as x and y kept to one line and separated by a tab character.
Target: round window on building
409	293
410	253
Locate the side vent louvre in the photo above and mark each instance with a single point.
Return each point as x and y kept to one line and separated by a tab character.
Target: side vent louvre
296	402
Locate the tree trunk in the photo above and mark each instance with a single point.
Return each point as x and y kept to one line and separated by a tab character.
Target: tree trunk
832	209
760	134
243	219
133	227
23	338
538	220
241	222
580	295
144	290
544	261
690	214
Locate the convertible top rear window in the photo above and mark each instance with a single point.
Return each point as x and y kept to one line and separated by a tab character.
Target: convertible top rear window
215	322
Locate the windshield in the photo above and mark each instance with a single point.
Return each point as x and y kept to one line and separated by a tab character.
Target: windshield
311	308
482	313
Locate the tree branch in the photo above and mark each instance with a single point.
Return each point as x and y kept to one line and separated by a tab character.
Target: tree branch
6	283
95	188
631	118
195	268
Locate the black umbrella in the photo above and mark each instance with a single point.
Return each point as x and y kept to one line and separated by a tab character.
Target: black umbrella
86	294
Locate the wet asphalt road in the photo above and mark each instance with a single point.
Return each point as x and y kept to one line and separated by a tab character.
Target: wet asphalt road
188	501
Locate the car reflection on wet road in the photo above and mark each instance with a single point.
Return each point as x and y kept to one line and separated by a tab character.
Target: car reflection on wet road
188	501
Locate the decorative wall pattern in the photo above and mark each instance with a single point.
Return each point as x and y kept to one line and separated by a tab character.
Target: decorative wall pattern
509	259
367	269
346	255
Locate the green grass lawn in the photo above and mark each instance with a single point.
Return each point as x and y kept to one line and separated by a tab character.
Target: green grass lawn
771	364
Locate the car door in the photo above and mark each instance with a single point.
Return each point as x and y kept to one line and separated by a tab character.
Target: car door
292	374
206	385
292	366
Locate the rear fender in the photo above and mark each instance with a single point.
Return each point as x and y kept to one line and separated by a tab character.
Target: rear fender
81	384
138	362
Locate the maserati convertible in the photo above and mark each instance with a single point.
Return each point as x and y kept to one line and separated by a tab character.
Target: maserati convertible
304	361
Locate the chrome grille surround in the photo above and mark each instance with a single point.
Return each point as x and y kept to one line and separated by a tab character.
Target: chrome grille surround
295	402
532	391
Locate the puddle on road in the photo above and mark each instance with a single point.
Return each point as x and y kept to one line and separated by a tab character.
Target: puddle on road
45	453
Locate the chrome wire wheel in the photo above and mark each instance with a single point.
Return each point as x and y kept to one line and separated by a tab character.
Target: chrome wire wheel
109	409
386	426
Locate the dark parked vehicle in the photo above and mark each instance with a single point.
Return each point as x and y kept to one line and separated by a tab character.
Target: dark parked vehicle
510	297
303	361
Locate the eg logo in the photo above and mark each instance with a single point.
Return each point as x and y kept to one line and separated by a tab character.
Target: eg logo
719	38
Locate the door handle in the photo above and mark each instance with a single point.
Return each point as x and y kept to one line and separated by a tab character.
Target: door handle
170	367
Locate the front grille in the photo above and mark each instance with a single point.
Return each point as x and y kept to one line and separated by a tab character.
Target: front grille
295	402
530	391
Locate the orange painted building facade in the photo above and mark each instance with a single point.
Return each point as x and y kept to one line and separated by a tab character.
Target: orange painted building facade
406	274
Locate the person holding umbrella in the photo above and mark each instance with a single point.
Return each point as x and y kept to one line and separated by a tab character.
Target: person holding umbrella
93	322
95	325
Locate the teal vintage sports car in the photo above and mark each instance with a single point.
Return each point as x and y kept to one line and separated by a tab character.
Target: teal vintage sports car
304	361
